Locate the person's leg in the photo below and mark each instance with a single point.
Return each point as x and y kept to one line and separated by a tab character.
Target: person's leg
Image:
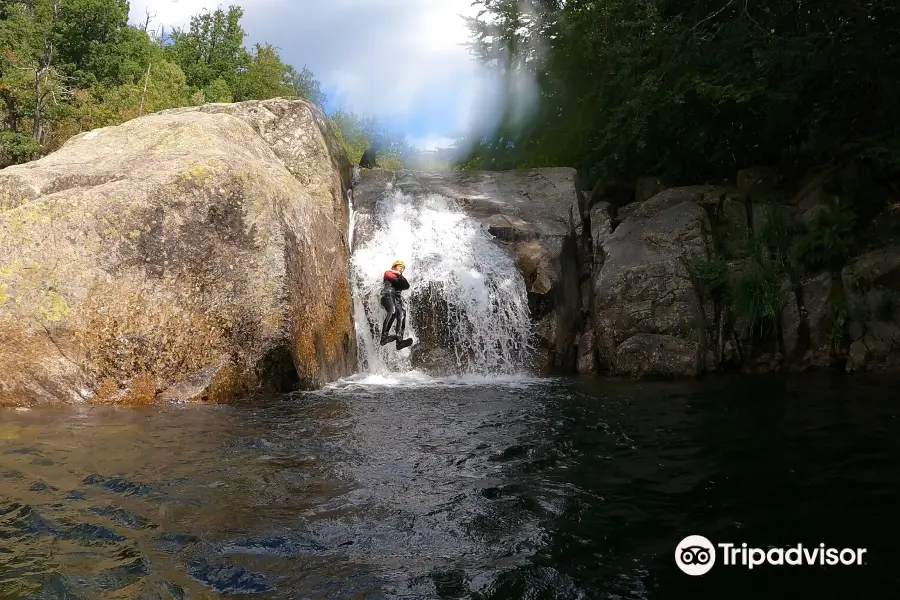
401	325
401	320
387	302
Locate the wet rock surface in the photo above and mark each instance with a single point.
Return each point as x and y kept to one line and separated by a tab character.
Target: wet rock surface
531	214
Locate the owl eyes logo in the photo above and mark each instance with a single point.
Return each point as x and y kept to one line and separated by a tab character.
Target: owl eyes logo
695	555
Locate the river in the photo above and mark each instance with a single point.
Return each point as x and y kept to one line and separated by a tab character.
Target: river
515	489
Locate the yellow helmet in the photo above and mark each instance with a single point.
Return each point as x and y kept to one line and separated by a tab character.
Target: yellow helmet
398	263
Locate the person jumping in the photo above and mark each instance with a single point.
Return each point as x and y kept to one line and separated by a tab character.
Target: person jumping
393	284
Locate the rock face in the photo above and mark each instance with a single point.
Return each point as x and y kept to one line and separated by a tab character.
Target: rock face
872	283
699	278
197	253
648	318
587	364
532	215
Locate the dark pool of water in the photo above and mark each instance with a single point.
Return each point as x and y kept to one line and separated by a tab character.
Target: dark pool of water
555	489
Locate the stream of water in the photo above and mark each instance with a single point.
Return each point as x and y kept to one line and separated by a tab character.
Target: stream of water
468	288
408	487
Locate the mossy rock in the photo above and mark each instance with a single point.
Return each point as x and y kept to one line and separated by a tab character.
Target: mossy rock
136	257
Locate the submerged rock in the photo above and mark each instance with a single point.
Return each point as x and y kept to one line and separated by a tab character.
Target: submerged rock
203	244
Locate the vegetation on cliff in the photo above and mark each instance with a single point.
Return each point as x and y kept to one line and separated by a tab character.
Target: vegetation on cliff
68	66
693	93
692	90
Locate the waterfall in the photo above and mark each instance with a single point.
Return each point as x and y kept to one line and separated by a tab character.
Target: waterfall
467	301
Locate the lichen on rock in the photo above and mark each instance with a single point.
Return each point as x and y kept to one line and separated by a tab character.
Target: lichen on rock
148	251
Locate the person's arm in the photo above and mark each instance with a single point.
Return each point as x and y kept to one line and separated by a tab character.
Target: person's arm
397	280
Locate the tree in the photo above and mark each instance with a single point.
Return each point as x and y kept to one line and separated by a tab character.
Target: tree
71	65
304	85
211	47
692	90
165	88
218	91
88	33
264	77
359	133
30	35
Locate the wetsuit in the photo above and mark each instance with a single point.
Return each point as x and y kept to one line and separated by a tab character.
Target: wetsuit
393	284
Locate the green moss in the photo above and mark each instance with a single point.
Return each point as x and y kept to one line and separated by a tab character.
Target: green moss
198	173
53	307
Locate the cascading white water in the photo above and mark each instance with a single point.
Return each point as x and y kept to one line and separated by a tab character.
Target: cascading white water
467	282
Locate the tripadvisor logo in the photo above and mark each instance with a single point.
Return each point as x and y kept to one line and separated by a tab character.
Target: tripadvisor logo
696	555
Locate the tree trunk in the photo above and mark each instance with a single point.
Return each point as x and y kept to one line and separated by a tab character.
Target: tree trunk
144	94
720	350
12	118
36	125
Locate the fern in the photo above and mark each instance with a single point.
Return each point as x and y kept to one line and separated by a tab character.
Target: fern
829	241
757	294
712	274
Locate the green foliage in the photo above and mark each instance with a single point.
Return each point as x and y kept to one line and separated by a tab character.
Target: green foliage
690	90
89	35
776	231
712	274
357	133
217	91
211	47
16	148
758	294
828	241
71	65
755	294
354	132
165	88
304	85
264	77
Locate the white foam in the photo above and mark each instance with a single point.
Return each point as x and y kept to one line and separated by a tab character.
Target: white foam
449	251
418	379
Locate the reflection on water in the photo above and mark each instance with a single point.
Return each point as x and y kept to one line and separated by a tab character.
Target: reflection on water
452	489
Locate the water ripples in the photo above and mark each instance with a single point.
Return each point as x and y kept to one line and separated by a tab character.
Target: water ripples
436	489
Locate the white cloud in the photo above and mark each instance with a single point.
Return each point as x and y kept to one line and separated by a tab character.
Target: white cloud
399	60
171	13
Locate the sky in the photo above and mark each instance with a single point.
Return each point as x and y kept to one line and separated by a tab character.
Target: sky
402	61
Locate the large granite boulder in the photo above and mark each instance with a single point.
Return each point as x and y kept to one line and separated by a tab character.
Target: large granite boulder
197	253
649	319
532	215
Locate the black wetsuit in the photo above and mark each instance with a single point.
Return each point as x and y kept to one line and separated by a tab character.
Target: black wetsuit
393	284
